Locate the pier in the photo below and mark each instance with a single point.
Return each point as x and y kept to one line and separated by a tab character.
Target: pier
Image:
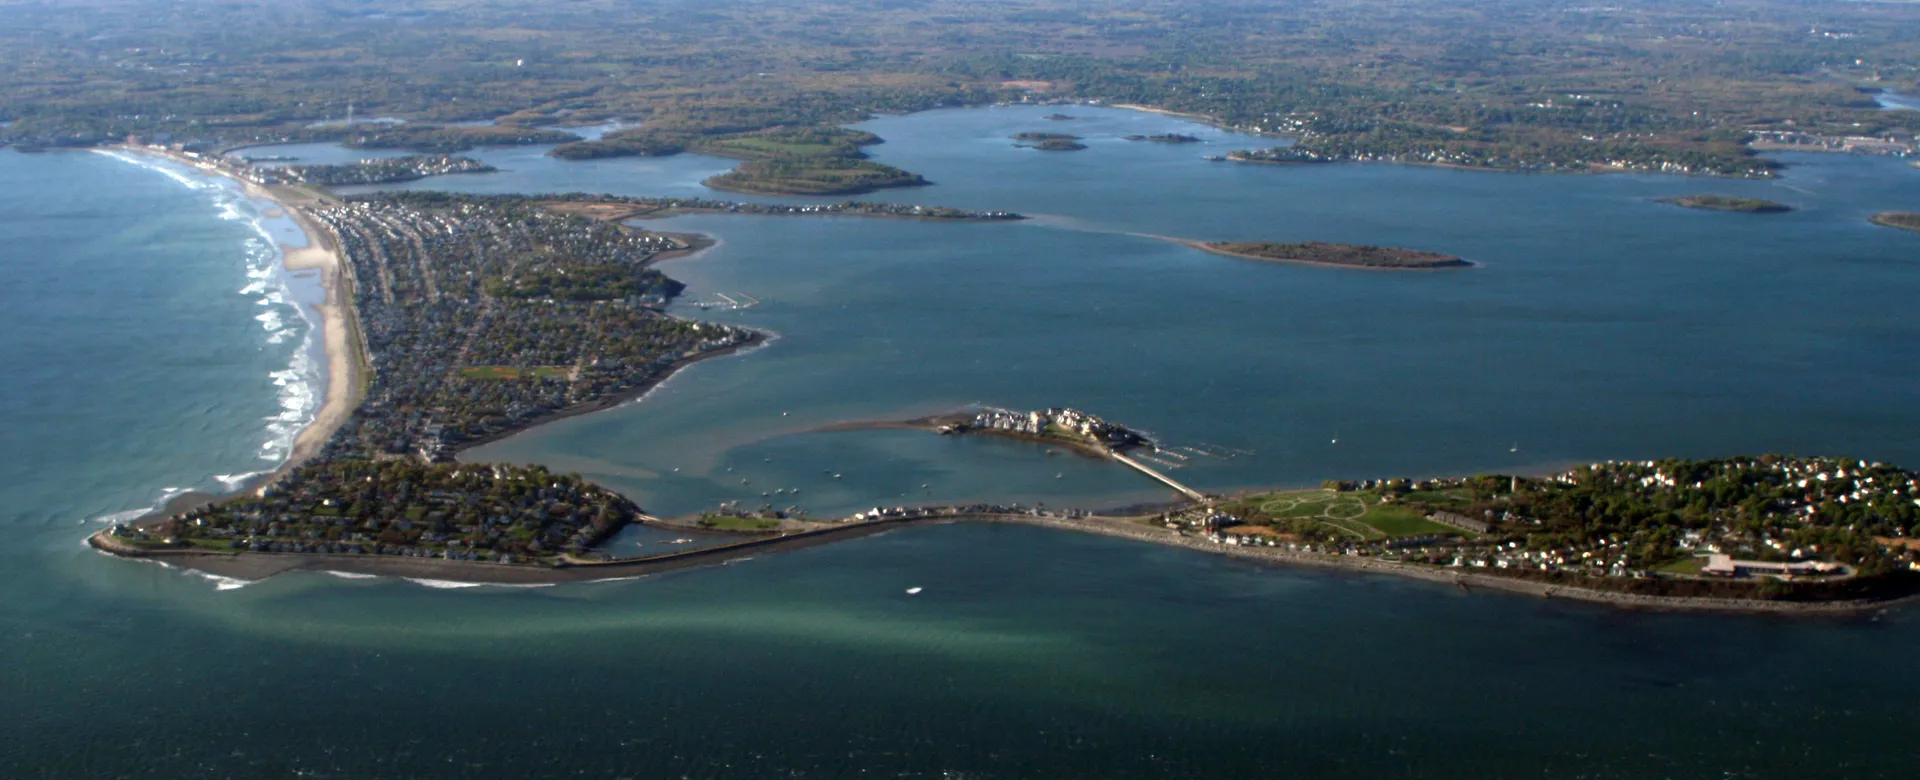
1168	481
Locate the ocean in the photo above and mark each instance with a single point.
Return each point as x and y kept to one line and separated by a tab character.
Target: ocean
154	348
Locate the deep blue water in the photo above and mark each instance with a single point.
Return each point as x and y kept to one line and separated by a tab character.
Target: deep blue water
1601	325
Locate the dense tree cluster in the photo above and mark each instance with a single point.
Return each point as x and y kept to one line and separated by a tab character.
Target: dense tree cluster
499	513
1773	508
814	176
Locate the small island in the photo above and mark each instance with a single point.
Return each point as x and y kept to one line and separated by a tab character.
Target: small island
813	176
1904	220
1050	142
1322	253
1726	203
1166	138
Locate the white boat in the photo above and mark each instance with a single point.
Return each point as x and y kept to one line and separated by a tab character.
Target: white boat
913	591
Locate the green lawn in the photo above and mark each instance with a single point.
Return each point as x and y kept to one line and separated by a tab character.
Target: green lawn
1396	520
1457	497
1687	565
737	523
514	372
1358	513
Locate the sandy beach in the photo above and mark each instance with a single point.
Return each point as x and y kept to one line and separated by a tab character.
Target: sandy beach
340	337
339	333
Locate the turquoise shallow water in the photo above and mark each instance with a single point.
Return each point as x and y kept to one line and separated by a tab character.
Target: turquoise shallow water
1601	325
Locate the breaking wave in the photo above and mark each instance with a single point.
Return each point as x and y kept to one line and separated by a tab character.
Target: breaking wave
442	584
289	327
222	583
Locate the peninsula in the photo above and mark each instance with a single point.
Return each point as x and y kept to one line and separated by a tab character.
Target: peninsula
1725	203
378	170
1345	255
1904	220
452	321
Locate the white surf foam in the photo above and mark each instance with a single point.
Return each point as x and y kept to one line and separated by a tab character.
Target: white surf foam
222	583
232	482
454	585
123	517
268	284
348	575
169	171
442	584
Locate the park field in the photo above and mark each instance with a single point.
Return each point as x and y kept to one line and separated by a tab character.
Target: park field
738	523
1358	514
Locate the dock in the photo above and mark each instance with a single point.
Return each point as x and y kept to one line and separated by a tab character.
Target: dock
1168	481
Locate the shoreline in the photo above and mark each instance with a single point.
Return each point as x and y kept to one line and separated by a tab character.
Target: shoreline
862	190
1888	219
257	566
1590	170
341	342
621	398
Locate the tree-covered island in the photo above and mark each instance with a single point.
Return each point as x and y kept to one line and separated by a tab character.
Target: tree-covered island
1049	142
777	159
1726	203
1904	220
1322	253
813	176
